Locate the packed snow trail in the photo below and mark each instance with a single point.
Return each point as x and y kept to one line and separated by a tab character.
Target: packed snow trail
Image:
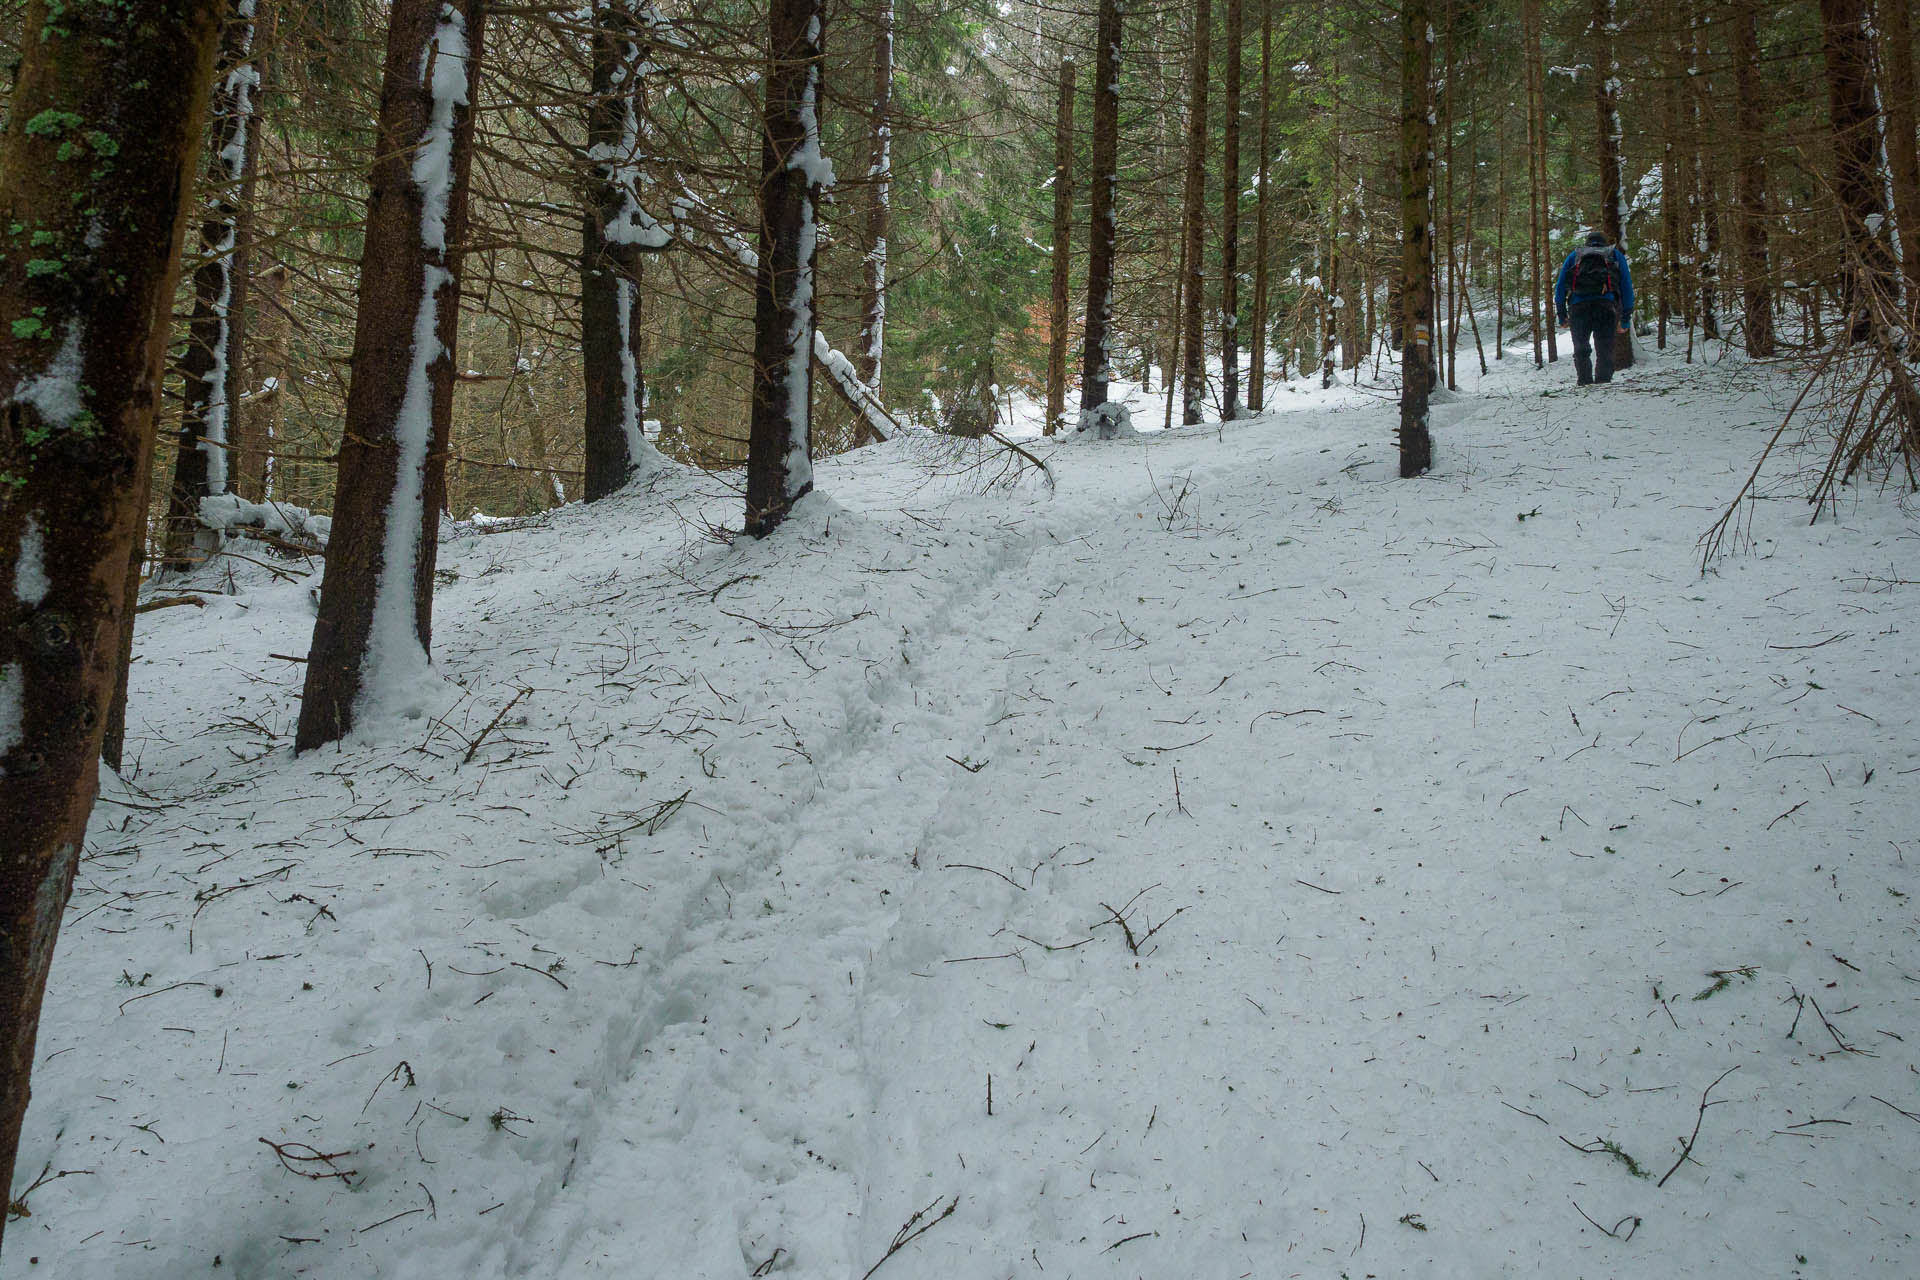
1241	863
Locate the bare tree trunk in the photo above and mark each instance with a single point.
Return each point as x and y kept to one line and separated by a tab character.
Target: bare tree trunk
1452	266
1903	161
779	445
1416	244
1257	373
1848	50
615	232
1097	361
1193	221
374	633
1751	176
1707	256
1606	99
210	366
1230	407
1057	318
1500	240
81	347
873	302
1536	154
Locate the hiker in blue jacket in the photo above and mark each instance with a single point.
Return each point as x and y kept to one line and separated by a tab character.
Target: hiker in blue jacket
1594	295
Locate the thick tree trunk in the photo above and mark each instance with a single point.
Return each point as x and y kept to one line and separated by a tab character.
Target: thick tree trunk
873	300
1257	373
210	367
372	639
1193	221
1097	361
1903	160
82	346
1854	118
792	173
1230	407
1057	318
1606	100
1756	289
1416	239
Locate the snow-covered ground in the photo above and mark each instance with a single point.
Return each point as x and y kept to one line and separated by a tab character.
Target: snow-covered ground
1237	862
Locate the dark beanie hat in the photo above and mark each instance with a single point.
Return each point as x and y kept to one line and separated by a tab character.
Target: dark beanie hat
1598	239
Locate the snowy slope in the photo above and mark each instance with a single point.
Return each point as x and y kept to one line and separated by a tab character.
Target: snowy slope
1303	862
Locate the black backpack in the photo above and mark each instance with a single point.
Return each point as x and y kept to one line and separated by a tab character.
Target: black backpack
1593	273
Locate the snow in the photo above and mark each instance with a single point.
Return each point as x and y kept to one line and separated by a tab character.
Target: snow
54	393
445	61
1444	799
30	585
12	707
228	512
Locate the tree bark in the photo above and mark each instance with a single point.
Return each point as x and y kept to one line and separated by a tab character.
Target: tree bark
210	367
616	233
1903	160
1193	221
873	302
1057	318
1097	361
1230	407
1707	251
1854	120
1257	372
1536	151
85	291
374	633
1606	100
1756	289
792	172
1416	241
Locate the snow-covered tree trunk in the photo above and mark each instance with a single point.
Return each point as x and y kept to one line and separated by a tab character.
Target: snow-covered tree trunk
373	636
210	367
1057	318
1096	369
1193	223
1416	231
615	232
1230	407
1257	370
1706	255
1606	101
1750	175
793	172
873	299
85	291
1535	59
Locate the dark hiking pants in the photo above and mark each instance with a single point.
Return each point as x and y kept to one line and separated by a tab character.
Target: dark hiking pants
1593	323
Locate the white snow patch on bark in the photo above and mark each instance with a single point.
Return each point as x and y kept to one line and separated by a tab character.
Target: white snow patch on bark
12	709
30	585
54	393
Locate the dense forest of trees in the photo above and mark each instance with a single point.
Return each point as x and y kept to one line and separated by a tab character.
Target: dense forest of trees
390	259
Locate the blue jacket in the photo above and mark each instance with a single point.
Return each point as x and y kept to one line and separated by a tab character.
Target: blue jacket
1564	282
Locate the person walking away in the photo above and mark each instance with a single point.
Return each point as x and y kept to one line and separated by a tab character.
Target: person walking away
1593	294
